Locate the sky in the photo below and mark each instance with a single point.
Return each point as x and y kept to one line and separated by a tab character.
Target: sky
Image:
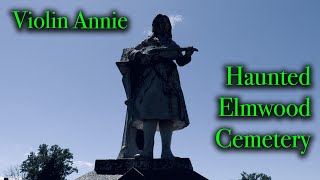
64	88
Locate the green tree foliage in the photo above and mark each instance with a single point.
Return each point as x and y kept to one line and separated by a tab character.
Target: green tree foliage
48	164
254	176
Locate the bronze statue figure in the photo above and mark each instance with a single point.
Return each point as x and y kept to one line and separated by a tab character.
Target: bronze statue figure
155	98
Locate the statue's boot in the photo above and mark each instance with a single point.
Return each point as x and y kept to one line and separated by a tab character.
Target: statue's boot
149	130
166	130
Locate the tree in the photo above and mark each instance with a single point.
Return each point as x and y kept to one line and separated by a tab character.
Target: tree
48	164
254	176
14	173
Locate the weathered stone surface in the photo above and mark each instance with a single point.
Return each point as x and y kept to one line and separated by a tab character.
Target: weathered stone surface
168	174
133	174
92	175
121	166
142	169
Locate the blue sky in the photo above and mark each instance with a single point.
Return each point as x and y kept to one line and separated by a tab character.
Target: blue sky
65	89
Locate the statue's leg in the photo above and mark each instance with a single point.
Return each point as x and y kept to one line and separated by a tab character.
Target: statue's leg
139	139
132	146
149	130
132	140
166	136
129	148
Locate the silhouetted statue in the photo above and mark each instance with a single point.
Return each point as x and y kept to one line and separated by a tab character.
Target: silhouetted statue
155	98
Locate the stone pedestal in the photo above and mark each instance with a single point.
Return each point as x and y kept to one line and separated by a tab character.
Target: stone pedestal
131	169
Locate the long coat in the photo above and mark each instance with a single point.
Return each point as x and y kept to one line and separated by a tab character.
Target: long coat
156	90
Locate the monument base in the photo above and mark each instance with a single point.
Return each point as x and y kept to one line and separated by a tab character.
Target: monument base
133	169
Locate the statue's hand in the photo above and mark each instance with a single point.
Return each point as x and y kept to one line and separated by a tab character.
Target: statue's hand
189	51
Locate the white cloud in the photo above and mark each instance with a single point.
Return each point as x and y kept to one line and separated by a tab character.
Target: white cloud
148	32
174	19
83	164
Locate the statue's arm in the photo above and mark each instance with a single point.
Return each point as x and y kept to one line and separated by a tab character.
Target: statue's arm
182	59
137	55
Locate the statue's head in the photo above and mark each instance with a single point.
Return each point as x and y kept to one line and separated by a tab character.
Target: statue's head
161	25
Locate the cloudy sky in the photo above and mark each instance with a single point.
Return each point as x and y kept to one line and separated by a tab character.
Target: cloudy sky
64	88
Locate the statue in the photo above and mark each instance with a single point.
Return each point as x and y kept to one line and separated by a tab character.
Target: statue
152	85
